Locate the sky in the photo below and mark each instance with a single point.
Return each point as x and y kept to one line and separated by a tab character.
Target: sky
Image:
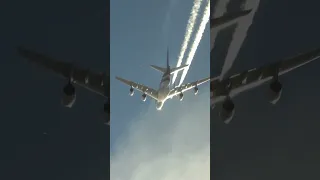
265	141
145	143
76	143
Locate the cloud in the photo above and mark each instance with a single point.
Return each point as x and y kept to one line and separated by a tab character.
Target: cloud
173	144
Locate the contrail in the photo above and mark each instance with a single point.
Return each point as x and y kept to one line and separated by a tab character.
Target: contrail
220	9
239	36
197	39
189	30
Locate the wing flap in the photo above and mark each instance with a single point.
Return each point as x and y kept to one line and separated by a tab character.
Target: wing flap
187	87
140	87
92	81
257	76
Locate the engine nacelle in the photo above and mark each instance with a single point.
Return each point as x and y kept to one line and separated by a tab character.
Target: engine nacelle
275	91
196	90
143	97
181	96
227	111
69	96
131	93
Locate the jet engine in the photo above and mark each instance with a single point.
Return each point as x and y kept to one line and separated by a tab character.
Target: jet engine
227	110
143	97
131	92
275	90
69	95
196	90
181	96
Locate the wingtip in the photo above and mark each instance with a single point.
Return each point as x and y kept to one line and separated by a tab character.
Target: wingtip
118	78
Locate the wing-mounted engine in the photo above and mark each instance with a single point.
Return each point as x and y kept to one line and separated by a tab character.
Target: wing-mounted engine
131	93
144	97
69	95
275	90
196	90
181	96
227	110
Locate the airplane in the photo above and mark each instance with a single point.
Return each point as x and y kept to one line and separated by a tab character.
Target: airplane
215	22
164	92
95	82
223	91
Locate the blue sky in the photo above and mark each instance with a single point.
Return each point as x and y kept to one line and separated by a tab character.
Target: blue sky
140	33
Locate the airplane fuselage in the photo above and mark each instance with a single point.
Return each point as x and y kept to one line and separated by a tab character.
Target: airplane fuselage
164	89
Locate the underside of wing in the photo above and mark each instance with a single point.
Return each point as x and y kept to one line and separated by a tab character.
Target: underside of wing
255	77
60	68
95	82
186	87
302	59
140	87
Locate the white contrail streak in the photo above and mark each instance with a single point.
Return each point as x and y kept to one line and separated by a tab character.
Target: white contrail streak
189	30
239	36
197	39
220	9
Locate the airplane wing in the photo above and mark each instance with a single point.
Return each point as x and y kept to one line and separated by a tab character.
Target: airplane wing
186	87
255	77
95	82
140	87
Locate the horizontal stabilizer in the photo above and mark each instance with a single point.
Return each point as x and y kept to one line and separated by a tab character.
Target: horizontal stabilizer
163	70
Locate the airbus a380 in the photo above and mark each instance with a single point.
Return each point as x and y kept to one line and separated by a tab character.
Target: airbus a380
164	92
223	91
95	82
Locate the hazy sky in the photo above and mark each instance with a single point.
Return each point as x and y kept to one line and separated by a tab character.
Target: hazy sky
76	143
145	143
265	141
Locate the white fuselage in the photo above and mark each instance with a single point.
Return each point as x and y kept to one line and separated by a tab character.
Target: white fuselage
164	89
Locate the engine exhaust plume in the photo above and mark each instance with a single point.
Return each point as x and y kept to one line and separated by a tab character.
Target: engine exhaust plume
220	9
197	39
189	30
239	36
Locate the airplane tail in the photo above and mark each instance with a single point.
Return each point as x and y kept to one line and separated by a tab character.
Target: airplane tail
172	70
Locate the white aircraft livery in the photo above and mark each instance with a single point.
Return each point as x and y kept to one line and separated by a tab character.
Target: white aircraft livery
223	91
95	82
164	93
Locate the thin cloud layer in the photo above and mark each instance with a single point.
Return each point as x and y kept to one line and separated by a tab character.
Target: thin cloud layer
173	144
